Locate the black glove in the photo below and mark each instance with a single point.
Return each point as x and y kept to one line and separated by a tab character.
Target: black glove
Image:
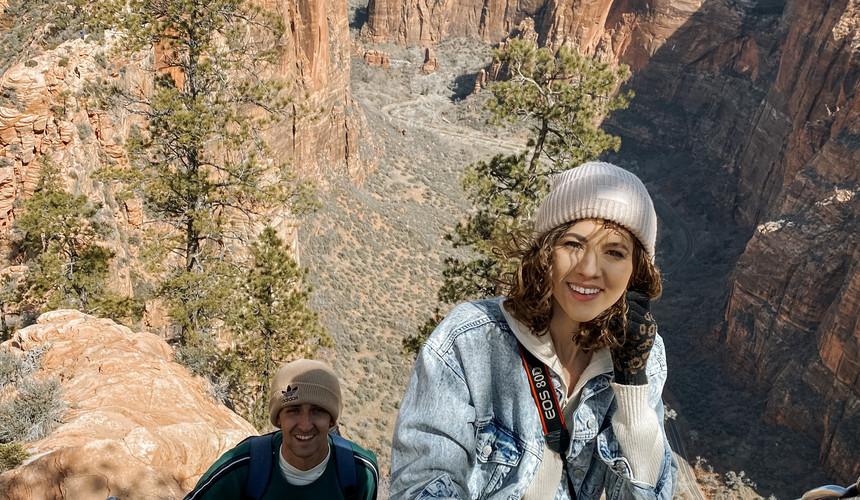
631	357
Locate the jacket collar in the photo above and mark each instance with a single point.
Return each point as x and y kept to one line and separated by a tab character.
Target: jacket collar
543	349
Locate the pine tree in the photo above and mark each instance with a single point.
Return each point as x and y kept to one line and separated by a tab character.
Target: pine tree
560	99
273	323
60	242
198	160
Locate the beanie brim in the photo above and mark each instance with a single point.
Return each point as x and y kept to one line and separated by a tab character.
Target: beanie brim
305	381
597	190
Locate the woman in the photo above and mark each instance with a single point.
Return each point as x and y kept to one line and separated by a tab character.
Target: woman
553	391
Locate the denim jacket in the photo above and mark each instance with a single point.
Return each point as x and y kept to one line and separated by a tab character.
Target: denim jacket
468	427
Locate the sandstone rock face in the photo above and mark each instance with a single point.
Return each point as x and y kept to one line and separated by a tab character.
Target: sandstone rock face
431	63
792	316
47	114
316	61
377	58
138	425
630	31
793	312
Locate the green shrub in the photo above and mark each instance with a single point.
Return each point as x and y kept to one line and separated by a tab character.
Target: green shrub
14	368
85	131
11	455
33	412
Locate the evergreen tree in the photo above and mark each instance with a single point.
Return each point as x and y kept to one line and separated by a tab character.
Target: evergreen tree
273	323
560	99
67	267
198	160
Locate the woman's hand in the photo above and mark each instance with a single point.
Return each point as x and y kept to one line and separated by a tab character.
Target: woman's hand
631	357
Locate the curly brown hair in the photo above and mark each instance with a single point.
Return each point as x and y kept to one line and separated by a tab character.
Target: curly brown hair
528	289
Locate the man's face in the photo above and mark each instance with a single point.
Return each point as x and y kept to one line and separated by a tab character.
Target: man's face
305	427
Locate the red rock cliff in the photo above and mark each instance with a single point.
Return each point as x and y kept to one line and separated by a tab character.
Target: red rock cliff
630	30
316	57
792	315
47	116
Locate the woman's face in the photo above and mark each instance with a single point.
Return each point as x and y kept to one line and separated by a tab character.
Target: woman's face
591	269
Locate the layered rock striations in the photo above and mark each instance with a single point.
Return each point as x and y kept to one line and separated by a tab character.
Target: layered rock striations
792	314
624	30
316	62
44	111
754	120
137	424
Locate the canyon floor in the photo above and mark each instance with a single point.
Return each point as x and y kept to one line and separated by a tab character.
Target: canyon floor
376	250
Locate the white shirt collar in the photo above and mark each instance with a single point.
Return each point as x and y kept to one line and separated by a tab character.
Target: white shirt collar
300	477
543	349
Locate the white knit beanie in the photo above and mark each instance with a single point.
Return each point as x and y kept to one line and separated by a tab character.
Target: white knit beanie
597	190
305	381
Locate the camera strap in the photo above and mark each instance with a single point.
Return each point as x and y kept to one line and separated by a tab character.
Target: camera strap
556	434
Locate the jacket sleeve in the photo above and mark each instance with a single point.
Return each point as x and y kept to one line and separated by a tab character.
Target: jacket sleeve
429	459
367	472
621	484
225	479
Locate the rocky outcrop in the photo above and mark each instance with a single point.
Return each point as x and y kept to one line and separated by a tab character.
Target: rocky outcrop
43	108
431	63
138	425
377	58
42	114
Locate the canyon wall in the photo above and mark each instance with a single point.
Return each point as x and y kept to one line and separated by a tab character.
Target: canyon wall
745	114
316	60
791	318
630	30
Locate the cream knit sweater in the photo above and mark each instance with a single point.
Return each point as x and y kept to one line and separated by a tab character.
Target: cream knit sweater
635	423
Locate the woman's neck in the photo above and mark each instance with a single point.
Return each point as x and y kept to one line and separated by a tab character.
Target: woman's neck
572	358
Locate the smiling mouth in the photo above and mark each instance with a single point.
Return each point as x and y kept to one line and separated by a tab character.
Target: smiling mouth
583	290
304	437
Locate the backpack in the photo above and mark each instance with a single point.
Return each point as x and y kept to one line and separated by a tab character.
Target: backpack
261	466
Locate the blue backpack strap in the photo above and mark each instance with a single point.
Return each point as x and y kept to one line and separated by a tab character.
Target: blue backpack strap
261	466
343	454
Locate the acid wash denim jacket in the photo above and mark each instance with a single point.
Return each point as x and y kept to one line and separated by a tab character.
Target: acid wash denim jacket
468	427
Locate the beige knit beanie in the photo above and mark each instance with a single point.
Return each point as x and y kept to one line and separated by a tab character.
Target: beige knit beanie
597	190
305	381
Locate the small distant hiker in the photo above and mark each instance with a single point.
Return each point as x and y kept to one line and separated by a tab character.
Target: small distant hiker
302	460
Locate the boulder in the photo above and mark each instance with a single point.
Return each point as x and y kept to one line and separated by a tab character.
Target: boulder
138	425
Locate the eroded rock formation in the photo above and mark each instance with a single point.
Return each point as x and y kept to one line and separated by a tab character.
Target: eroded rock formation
623	30
138	425
316	61
792	316
377	58
46	111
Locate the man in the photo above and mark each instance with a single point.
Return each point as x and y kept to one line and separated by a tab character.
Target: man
301	460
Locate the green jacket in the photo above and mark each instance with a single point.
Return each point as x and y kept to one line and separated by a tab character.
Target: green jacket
227	477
